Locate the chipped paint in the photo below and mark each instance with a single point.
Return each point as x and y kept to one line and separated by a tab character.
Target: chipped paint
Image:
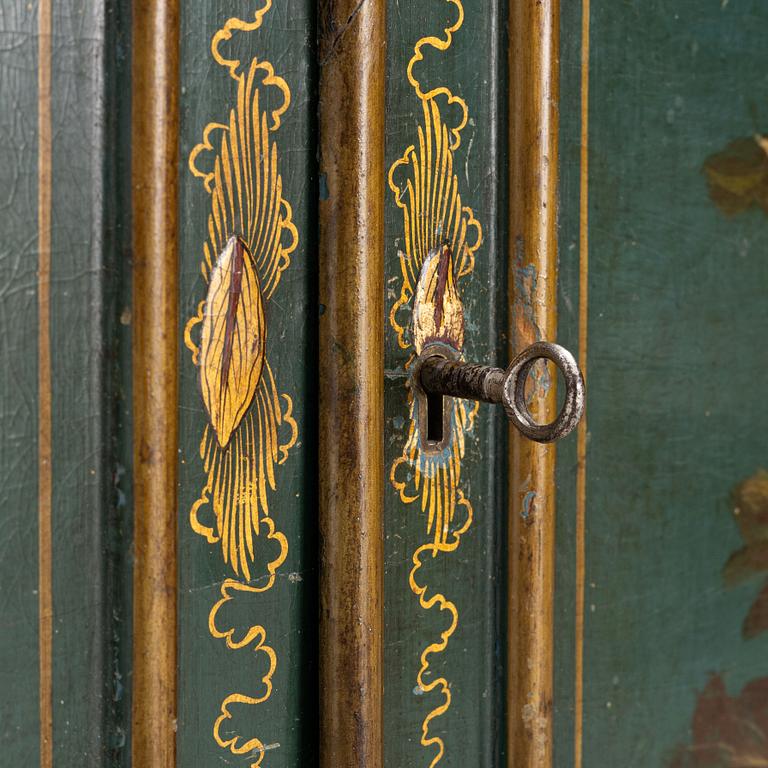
525	276
737	176
525	329
528	505
749	503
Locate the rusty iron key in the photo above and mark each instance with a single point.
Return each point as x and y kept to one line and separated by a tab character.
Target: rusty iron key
439	373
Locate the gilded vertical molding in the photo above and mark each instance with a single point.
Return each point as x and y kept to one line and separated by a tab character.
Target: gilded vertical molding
45	433
581	434
155	351
352	77
533	119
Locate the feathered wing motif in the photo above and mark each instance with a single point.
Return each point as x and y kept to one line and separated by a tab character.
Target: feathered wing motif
426	190
441	236
233	339
250	240
250	237
435	223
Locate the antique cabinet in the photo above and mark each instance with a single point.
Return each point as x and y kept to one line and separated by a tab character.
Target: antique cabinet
228	230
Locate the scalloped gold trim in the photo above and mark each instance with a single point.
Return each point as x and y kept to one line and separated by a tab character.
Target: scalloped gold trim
426	190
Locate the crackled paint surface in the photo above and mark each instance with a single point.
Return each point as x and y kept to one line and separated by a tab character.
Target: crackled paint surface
678	280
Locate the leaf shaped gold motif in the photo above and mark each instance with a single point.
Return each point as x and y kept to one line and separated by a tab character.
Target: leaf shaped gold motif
438	314
233	339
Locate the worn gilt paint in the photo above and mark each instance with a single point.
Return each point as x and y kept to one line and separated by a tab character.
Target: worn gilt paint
44	484
351	47
251	428
532	284
441	237
154	181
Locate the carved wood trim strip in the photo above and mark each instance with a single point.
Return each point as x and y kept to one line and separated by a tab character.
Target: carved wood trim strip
532	290
352	76
155	123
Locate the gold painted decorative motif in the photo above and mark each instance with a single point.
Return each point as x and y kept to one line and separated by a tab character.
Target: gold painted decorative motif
250	239
438	314
441	237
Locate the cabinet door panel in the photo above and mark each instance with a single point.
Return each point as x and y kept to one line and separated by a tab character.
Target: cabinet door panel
247	457
673	470
443	566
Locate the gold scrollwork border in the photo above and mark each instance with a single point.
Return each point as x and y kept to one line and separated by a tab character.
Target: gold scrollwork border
250	237
427	191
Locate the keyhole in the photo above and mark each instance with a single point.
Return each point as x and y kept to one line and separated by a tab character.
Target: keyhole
434	418
434	409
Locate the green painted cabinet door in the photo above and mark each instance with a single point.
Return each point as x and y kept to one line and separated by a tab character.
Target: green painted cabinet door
669	309
443	518
624	575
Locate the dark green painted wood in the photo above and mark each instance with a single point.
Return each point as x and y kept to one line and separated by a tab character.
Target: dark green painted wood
88	343
474	67
89	358
567	335
677	368
677	372
208	671
18	388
